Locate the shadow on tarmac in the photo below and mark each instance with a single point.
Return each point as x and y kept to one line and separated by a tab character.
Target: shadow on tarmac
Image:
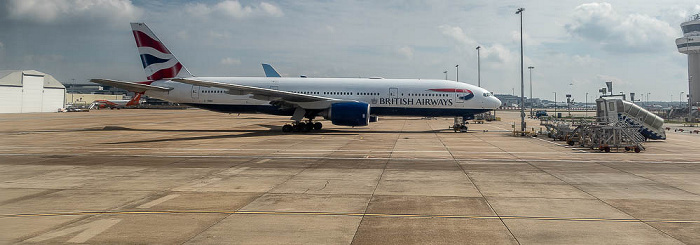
272	130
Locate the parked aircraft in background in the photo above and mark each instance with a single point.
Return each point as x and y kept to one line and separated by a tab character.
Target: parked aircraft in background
343	101
269	71
116	104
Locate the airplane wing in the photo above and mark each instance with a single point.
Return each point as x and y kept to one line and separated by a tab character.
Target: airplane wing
258	93
131	86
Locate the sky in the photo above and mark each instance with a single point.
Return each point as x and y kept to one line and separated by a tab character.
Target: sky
575	46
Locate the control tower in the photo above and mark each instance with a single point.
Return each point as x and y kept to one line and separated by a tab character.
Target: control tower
690	44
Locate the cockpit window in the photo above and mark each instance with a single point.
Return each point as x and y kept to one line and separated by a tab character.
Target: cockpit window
487	94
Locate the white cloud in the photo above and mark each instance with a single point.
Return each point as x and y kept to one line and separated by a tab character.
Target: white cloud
271	10
183	34
41	59
457	34
46	12
494	53
219	35
601	24
230	61
527	40
607	78
234	9
583	60
405	51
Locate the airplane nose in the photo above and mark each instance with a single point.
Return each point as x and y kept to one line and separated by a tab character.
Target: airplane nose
495	103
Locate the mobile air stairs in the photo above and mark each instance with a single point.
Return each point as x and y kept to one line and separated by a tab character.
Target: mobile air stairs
619	125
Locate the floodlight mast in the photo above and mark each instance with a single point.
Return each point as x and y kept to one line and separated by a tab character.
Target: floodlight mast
531	101
522	75
478	65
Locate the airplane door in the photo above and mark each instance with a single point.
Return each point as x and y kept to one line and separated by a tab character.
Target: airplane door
195	92
458	96
393	92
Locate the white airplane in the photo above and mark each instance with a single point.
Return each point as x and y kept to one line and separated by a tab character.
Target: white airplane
343	101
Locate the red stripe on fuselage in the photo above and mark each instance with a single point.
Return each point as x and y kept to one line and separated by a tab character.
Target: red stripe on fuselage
451	90
166	73
143	40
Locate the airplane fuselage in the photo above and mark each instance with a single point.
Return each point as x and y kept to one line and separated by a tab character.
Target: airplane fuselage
408	97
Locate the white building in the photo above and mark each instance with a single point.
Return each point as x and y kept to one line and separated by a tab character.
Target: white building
30	91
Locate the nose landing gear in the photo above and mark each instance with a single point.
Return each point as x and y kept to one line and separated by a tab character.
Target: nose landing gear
460	125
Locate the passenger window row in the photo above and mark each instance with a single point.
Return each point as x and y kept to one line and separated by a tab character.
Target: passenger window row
212	91
304	92
429	95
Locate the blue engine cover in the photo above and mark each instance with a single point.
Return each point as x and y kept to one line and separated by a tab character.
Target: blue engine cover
350	114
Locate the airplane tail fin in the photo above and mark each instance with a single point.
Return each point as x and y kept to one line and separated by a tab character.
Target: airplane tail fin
158	62
269	71
135	100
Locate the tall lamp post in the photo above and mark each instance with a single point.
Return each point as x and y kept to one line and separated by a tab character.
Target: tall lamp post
478	65
680	100
648	99
555	104
531	101
457	66
445	74
522	75
585	108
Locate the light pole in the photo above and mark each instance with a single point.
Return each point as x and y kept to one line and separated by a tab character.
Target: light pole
445	74
457	72
555	104
680	99
585	108
478	65
648	99
522	75
531	101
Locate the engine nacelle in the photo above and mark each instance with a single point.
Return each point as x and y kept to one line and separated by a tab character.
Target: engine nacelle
349	114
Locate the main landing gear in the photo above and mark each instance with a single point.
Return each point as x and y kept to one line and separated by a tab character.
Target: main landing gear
302	126
460	125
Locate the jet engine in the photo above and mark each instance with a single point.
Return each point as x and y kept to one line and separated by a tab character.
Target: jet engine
348	114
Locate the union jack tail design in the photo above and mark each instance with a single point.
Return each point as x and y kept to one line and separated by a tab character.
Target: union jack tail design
158	62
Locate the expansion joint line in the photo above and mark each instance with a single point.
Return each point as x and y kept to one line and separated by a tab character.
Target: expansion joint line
475	185
237	210
597	198
364	213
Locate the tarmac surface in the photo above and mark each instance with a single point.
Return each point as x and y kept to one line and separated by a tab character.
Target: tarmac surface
198	177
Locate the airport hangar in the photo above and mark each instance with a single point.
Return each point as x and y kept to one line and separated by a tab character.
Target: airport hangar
23	91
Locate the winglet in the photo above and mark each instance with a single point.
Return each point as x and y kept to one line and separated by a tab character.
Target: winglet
269	71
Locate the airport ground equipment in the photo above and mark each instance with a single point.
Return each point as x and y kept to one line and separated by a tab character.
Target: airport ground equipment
557	129
612	109
619	125
602	136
